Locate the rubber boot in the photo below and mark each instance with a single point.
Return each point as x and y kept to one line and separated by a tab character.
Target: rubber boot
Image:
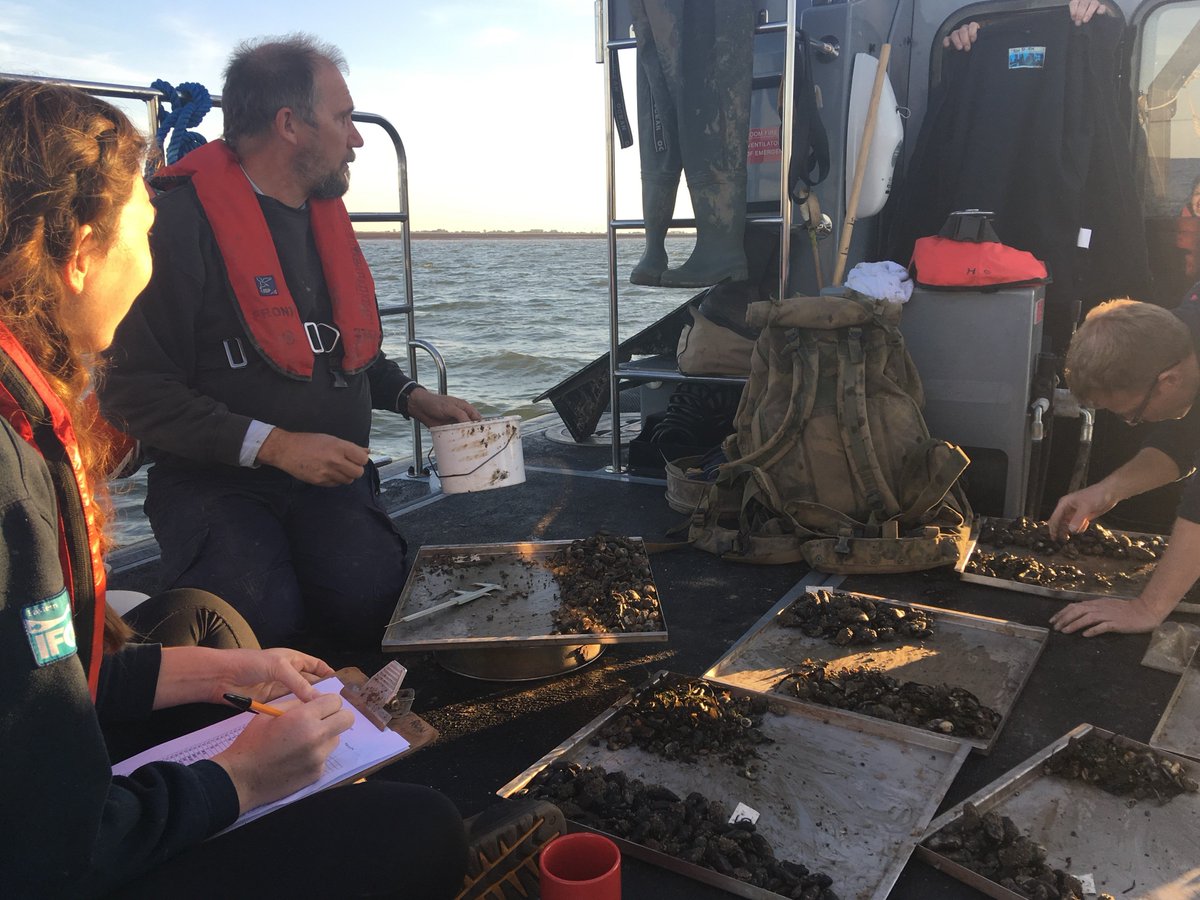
719	254
658	207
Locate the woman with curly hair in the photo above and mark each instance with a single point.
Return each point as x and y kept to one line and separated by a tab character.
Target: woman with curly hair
74	220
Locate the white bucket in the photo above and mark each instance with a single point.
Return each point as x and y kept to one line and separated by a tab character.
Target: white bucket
479	456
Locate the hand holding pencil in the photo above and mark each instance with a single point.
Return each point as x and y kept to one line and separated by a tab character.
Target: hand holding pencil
284	749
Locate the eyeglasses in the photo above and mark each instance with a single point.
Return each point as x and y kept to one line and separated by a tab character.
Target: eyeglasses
1135	417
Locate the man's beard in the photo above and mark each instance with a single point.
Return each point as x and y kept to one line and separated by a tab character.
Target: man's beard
326	186
333	185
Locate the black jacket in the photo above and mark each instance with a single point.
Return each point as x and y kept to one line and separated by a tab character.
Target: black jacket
1027	125
69	828
175	379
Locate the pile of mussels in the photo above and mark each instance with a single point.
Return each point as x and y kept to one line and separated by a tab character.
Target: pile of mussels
696	830
689	719
867	690
605	585
1094	541
1122	771
843	618
993	846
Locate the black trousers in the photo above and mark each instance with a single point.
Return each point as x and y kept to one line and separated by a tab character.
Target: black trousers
374	839
290	557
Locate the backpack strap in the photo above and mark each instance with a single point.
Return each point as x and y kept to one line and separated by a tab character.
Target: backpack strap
856	429
936	464
810	144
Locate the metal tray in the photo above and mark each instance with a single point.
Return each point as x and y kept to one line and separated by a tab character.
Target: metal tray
1131	849
1178	730
990	658
518	615
842	794
1098	564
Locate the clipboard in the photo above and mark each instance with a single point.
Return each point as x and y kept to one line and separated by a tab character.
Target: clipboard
409	725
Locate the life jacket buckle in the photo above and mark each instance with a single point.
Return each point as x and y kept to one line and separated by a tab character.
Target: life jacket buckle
241	362
320	341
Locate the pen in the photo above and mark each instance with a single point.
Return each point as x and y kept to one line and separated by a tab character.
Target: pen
245	704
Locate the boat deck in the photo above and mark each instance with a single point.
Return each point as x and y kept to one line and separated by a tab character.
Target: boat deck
491	731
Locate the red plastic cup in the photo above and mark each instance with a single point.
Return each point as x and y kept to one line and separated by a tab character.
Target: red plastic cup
580	866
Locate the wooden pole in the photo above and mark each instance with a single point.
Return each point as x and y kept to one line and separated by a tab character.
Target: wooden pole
860	165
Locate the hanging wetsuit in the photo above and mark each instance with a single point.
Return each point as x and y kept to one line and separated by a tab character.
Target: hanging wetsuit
1026	125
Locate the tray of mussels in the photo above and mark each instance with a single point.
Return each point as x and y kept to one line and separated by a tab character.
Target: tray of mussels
1020	555
598	590
952	673
1092	815
756	794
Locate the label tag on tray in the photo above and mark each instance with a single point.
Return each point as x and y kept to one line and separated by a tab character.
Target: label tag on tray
744	813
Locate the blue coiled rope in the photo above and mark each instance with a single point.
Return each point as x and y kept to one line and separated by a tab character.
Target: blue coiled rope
190	102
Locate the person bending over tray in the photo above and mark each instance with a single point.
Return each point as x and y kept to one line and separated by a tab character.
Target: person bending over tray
74	218
1139	361
251	363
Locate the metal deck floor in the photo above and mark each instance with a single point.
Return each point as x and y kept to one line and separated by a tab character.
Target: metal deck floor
491	731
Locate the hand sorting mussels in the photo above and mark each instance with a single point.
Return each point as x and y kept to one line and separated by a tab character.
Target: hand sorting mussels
696	830
843	618
605	585
993	846
944	709
1094	541
1121	771
690	719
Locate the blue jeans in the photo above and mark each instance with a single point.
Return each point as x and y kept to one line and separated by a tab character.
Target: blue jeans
290	557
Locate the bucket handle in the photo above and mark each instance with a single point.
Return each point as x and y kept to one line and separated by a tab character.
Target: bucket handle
512	430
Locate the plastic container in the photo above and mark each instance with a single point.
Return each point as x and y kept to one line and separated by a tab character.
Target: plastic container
580	866
479	456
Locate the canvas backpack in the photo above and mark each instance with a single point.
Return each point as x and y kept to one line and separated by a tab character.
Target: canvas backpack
831	461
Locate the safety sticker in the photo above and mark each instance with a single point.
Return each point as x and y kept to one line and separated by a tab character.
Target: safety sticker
50	628
1026	57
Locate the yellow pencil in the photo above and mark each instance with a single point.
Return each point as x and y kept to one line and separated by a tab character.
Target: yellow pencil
245	704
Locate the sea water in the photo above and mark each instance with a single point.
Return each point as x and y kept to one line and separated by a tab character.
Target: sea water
511	316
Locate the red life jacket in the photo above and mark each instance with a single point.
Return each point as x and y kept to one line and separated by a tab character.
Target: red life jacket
264	302
37	414
942	262
966	254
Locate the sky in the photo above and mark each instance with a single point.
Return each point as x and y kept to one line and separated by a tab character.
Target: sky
500	105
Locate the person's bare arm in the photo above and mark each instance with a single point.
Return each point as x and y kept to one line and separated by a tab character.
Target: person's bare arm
204	674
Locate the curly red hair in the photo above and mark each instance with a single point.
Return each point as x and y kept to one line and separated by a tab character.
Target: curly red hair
67	159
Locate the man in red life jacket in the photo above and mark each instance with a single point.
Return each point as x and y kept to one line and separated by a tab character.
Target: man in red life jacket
250	364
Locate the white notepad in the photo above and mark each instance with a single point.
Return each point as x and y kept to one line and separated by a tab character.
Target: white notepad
360	748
